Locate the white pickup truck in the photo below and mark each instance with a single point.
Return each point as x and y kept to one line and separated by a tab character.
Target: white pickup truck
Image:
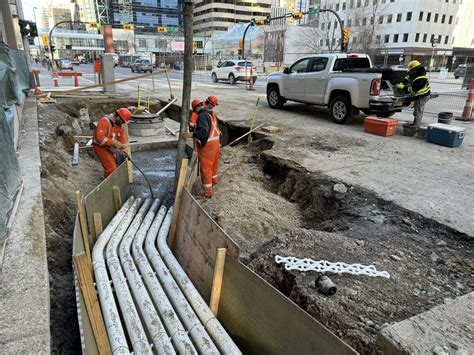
344	82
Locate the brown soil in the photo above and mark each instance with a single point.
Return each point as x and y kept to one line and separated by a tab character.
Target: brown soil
272	207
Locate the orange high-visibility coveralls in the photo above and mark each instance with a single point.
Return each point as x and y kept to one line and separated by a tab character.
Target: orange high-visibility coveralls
192	121
209	153
105	134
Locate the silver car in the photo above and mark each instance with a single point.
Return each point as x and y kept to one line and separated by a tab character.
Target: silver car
65	64
141	65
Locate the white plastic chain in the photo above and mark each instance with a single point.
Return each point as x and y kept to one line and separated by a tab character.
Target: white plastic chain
292	263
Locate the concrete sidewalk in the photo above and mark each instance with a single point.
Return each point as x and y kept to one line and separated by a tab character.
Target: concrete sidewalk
24	281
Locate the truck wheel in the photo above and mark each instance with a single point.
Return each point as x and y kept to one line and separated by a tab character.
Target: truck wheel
214	78
232	80
274	99
341	109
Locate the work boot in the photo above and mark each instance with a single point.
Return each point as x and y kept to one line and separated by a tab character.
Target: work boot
208	192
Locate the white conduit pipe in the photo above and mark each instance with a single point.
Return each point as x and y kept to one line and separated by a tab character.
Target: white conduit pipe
223	341
135	329
145	304
199	335
168	314
116	335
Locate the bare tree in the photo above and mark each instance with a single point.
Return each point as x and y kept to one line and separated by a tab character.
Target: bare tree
321	34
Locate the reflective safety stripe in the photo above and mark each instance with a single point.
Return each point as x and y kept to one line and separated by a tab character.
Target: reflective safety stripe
206	186
422	91
214	132
214	176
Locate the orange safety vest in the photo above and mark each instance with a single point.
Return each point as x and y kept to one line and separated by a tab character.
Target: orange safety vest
193	120
106	132
214	132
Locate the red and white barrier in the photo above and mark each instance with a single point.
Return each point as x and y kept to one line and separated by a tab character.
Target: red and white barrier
467	112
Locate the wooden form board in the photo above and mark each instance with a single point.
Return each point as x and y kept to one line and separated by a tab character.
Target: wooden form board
197	238
261	320
101	199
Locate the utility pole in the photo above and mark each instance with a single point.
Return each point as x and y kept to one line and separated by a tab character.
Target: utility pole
187	81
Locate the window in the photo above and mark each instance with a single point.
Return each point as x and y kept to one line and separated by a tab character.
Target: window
383	1
405	37
322	26
377	39
420	16
301	66
337	7
372	20
450	19
351	63
428	17
409	16
399	17
443	19
354	40
351	4
436	18
364	21
432	40
366	2
349	23
457	20
335	24
386	38
321	42
318	64
344	6
452	41
447	39
389	19
417	37
439	39
329	25
380	19
395	38
392	0
424	38
359	3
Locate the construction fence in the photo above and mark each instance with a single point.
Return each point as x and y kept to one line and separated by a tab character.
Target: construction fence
15	79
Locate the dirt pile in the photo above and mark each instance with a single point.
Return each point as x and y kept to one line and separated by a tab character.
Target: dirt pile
272	207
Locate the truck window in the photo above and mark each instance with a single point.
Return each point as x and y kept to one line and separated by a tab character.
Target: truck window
300	66
318	64
342	64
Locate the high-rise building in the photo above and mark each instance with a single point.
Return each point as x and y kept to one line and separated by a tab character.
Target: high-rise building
399	29
146	15
54	11
218	15
86	10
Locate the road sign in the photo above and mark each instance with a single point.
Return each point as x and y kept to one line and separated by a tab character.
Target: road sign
173	29
45	39
162	29
313	11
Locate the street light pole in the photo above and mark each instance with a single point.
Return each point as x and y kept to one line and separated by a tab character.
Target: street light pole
36	22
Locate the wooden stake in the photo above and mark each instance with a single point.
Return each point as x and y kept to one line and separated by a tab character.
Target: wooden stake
83	222
167	105
217	280
86	284
253	119
169	83
177	200
98	224
117	197
129	152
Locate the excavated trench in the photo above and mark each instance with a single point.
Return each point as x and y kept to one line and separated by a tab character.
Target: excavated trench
309	215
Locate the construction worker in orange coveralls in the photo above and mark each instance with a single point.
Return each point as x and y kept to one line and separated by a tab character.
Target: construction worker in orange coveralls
208	146
110	135
195	105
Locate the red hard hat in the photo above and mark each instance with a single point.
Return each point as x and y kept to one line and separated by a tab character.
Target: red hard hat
124	114
195	103
212	100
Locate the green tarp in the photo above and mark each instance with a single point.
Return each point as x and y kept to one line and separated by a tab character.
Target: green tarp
14	82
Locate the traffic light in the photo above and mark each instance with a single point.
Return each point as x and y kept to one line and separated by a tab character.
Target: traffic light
195	45
298	15
128	26
24	30
33	30
346	35
161	29
268	20
52	48
93	25
239	52
241	43
260	22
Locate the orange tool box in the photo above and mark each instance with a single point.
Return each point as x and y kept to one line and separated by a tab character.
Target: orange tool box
380	126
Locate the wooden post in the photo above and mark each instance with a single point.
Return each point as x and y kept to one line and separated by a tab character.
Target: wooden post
217	280
117	197
169	83
84	275
98	224
177	200
83	222
129	152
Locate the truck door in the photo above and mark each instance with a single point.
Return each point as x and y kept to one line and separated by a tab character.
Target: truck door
316	80
293	82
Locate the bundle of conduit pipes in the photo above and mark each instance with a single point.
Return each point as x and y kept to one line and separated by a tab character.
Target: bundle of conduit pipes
162	310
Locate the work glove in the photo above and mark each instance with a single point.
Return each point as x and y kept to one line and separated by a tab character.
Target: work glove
400	86
187	135
117	145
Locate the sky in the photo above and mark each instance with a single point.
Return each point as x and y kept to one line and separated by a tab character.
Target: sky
28	9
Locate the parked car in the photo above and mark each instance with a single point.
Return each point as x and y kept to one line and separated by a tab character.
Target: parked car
460	71
343	82
65	64
141	65
76	61
234	70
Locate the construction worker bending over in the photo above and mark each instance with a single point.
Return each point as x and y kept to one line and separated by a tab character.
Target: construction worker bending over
208	146
418	85
109	136
195	105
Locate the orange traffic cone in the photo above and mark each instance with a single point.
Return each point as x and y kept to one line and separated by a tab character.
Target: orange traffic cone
467	112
